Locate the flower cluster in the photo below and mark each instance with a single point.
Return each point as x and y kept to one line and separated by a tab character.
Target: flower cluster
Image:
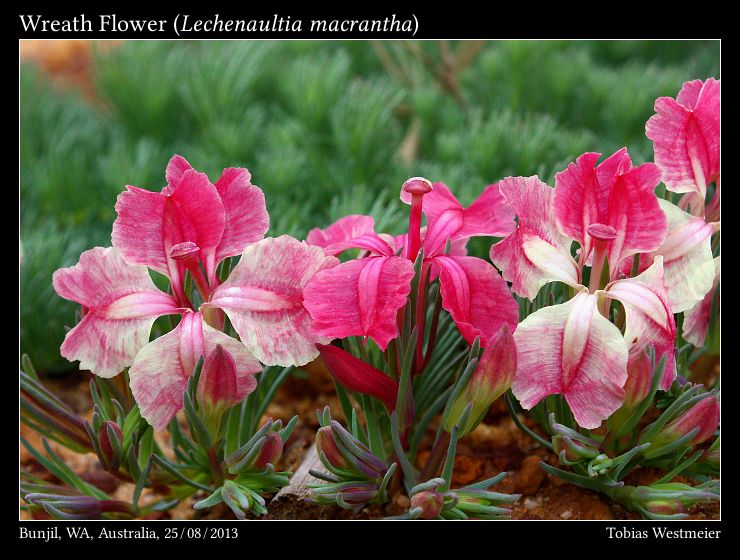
184	232
412	329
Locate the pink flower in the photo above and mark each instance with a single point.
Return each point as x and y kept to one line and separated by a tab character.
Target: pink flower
572	348
120	304
361	297
215	221
191	224
613	194
686	137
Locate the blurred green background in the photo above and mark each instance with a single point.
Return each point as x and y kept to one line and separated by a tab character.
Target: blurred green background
326	128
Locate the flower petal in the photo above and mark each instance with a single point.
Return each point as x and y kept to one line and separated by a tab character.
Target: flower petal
696	319
356	375
121	303
263	297
612	194
337	236
246	218
160	373
686	136
489	215
571	349
688	265
535	253
149	224
360	298
650	320
138	230
176	167
476	296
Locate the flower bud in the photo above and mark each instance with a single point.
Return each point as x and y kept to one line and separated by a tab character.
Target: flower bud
430	502
271	451
574	450
669	498
359	494
492	377
664	507
110	438
703	415
217	386
325	442
639	380
344	451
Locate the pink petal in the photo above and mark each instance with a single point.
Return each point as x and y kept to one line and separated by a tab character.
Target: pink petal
458	247
263	297
176	167
696	319
571	349
360	298
335	238
535	253
613	194
446	226
195	213
359	376
160	373
138	231
650	320
246	218
476	296
686	136
489	215
688	266
149	224
121	304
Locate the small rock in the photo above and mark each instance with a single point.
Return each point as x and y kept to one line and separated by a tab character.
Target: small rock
529	503
566	514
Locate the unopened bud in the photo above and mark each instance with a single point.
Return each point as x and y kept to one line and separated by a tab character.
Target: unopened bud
217	386
704	415
639	380
110	438
325	442
271	451
430	502
492	377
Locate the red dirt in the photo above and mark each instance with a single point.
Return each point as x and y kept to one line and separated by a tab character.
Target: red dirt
495	446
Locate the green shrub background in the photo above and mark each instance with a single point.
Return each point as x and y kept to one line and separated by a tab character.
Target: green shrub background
319	124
